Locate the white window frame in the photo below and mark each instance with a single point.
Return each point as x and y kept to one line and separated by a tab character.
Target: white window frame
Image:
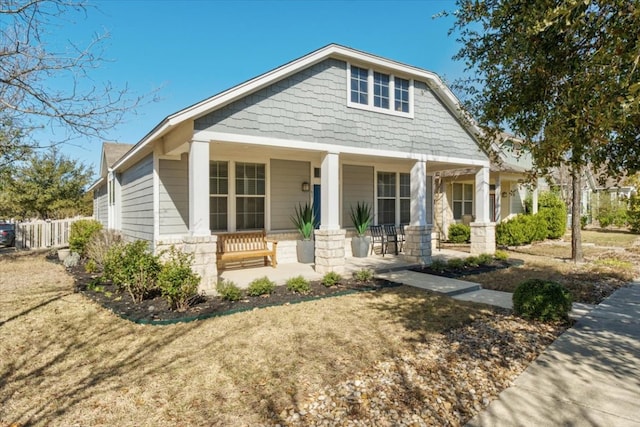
397	198
370	93
463	200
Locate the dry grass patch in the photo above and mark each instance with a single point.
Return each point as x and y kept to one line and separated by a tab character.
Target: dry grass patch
612	238
66	361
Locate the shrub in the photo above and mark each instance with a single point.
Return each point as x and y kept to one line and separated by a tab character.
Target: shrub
501	255
556	221
99	244
331	279
133	268
90	266
633	213
456	263
261	286
177	282
612	212
298	284
459	233
542	300
72	260
521	230
363	276
438	265
485	259
228	290
471	261
80	233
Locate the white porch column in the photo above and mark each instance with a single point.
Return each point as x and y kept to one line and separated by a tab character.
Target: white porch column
330	192
483	231
482	195
418	234
498	198
534	200
330	238
199	188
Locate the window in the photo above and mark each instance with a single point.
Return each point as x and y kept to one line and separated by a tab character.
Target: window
359	85
405	198
218	191
462	200
381	90
391	94
386	198
250	195
401	95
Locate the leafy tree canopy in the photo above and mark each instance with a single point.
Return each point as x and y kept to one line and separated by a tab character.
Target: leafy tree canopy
48	186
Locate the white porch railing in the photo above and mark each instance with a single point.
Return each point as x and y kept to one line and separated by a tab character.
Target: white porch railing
44	234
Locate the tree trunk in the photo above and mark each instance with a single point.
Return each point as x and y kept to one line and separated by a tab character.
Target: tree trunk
576	237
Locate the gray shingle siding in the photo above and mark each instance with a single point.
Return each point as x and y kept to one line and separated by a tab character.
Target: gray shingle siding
311	105
174	196
100	206
137	200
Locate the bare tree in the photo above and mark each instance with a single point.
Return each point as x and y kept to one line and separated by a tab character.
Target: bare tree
30	61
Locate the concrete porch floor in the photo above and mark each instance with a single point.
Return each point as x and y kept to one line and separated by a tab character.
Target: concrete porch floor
377	263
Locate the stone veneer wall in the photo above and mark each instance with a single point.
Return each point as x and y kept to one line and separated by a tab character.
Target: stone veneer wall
483	238
417	246
330	254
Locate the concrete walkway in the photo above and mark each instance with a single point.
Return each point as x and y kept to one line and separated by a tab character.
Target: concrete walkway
590	376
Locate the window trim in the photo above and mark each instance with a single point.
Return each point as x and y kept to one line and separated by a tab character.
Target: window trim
463	200
397	198
370	93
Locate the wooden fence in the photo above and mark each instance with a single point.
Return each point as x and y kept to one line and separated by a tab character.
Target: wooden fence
44	234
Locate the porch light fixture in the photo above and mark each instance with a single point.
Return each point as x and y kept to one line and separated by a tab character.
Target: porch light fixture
305	186
504	194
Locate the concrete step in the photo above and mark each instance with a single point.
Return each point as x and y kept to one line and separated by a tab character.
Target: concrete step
443	285
486	296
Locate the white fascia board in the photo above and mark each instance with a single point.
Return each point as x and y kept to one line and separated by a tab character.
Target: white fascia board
336	51
96	184
209	136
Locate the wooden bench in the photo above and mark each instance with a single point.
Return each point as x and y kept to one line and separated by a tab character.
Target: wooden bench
244	245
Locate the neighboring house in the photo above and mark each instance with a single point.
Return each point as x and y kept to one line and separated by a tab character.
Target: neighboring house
332	128
454	198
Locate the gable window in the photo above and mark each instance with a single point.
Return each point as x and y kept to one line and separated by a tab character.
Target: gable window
218	195
359	85
462	200
377	91
381	90
250	195
401	95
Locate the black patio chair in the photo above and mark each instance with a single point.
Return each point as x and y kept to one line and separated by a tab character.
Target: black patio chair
391	235
377	236
402	237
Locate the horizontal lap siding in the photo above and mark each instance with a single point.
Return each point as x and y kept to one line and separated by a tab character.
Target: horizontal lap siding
357	186
174	196
311	105
287	177
137	201
100	205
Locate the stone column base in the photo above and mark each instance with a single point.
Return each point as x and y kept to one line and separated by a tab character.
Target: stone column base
330	254
417	246
483	238
204	264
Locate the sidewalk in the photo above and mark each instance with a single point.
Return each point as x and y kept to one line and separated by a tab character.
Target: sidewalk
590	376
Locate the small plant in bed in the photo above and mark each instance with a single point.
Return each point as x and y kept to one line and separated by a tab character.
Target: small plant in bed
331	279
298	284
261	286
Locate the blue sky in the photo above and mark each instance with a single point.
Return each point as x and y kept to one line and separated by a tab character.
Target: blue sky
190	50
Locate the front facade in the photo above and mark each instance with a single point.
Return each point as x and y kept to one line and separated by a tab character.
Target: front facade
333	128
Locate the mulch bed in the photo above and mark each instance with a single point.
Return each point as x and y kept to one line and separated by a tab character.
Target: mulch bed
455	273
155	309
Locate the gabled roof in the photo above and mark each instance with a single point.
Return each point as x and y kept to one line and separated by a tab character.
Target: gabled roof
330	51
111	153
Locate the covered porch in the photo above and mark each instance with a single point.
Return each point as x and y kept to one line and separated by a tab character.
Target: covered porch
256	183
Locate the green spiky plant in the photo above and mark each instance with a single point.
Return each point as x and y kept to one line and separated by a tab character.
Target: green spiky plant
304	220
361	217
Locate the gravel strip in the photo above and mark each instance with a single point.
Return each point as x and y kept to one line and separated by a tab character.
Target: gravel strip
445	382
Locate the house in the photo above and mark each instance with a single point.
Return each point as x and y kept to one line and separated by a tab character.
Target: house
509	187
335	127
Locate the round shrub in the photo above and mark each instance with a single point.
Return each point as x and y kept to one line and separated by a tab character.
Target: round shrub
261	286
80	234
298	284
542	300
459	233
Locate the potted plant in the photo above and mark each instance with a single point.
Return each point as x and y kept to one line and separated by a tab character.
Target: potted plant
361	218
305	222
